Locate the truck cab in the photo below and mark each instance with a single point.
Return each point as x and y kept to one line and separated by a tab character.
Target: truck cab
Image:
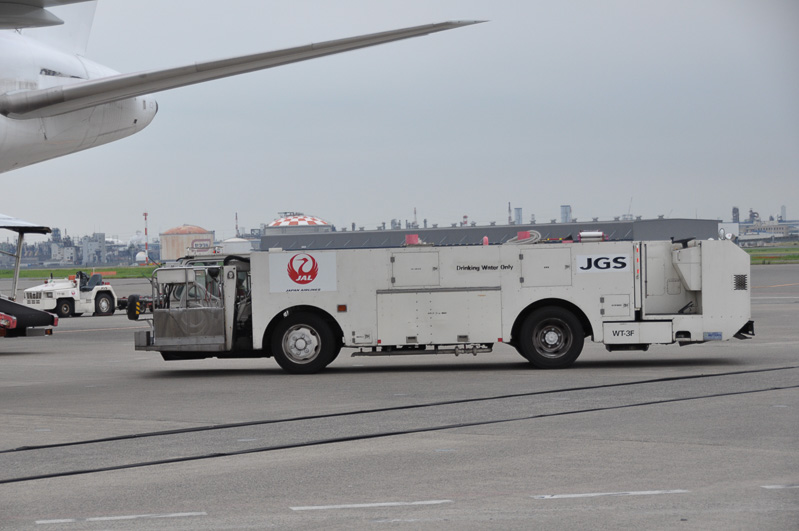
198	307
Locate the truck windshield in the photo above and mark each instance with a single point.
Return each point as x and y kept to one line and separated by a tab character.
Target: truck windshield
205	291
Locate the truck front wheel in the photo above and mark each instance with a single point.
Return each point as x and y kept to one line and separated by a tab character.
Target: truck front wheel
551	338
303	343
65	308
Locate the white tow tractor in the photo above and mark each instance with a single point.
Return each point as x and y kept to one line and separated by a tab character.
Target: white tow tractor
73	296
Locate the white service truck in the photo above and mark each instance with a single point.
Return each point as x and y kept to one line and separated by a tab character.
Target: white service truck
302	307
73	296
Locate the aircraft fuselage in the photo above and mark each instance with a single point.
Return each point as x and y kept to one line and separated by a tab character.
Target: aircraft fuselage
27	64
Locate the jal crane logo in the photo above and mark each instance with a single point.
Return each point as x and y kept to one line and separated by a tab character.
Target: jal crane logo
302	268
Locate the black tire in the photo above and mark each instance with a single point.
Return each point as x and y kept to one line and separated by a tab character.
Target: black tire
65	308
103	304
130	308
551	338
303	343
335	355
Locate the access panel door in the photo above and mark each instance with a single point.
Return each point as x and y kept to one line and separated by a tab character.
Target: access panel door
544	267
414	270
442	317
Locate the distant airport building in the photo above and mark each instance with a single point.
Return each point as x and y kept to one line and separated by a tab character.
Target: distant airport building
175	242
765	230
94	250
237	246
637	229
565	213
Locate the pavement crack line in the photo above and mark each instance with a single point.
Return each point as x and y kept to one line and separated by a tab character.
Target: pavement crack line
379	435
213	427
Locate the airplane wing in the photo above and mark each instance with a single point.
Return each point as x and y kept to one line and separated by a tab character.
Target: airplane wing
82	95
18	14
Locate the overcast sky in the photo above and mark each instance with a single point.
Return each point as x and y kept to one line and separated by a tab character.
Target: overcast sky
678	108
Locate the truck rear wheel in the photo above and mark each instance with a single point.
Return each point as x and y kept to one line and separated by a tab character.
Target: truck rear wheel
65	308
303	343
551	338
103	304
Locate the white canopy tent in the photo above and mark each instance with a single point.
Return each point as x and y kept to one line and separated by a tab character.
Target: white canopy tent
21	228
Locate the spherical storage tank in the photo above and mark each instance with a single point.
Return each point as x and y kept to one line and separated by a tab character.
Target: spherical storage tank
296	223
176	242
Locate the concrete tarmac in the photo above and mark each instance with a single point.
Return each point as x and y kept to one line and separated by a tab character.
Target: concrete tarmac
96	435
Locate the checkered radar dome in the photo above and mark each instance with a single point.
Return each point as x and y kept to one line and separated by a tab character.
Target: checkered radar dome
297	221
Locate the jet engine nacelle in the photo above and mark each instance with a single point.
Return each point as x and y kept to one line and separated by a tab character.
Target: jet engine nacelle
30	140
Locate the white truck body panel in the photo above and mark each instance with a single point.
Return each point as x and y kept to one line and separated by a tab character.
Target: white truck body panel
450	295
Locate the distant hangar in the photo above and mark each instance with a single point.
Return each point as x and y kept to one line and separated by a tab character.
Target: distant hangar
637	229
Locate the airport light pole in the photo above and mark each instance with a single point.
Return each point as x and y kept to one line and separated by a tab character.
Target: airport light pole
146	243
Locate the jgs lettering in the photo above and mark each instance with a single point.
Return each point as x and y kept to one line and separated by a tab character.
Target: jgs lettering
599	263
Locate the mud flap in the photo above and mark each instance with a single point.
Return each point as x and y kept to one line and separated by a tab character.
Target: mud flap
746	331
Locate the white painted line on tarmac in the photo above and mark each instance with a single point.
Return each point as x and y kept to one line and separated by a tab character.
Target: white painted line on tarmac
118	518
368	505
115	518
407	520
179	515
780	487
599	494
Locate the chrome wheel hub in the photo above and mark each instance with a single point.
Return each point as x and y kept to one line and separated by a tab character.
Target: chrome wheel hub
301	344
551	338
